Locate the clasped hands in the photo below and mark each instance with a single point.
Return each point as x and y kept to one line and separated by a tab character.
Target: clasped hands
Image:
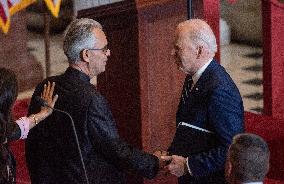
173	164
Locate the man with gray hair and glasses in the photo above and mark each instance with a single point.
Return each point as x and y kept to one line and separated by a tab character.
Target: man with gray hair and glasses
52	147
247	160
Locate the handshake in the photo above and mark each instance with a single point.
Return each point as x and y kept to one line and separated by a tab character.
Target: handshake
176	165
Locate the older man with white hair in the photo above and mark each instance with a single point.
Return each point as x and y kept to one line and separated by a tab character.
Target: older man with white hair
210	111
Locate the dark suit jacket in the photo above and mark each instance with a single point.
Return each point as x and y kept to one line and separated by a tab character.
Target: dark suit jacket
214	104
51	151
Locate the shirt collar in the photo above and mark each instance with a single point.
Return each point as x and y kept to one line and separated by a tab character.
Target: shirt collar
258	182
199	72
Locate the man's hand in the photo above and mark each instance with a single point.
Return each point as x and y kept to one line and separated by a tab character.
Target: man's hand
177	166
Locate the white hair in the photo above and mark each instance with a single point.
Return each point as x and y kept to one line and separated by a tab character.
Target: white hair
199	31
79	36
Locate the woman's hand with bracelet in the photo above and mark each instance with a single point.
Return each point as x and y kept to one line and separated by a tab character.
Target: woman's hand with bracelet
46	95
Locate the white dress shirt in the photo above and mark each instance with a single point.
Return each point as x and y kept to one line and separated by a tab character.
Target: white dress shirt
199	72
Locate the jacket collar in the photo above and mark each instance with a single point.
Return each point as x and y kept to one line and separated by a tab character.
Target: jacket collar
205	76
74	73
199	72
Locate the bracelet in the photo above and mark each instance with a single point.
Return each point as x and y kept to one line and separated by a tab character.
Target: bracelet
35	119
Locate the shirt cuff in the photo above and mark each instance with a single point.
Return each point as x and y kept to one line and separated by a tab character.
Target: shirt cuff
23	123
187	166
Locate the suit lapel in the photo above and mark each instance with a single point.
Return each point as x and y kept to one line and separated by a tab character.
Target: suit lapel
201	84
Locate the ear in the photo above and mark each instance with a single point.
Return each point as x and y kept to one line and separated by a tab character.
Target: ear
268	167
199	51
228	171
85	55
229	168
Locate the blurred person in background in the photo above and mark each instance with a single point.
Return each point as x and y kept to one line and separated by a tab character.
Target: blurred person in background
10	130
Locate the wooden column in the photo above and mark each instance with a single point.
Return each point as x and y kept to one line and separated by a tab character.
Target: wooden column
160	80
273	57
15	56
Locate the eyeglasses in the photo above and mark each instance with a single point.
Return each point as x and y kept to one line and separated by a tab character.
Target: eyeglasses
104	49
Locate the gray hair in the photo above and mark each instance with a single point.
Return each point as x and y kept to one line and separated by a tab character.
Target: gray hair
249	155
200	31
79	36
